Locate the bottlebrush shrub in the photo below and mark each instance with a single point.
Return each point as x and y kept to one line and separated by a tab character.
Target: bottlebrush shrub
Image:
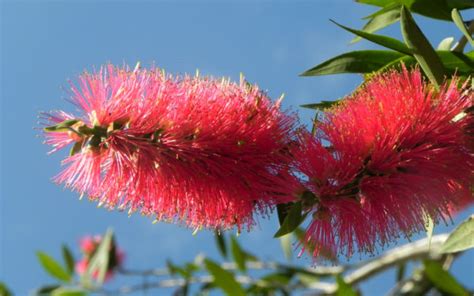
385	158
89	246
202	151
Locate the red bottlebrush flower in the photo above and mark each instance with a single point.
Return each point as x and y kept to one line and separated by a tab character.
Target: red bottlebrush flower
391	153
199	150
88	246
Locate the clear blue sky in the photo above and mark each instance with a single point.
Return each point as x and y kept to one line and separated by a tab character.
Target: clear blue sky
43	43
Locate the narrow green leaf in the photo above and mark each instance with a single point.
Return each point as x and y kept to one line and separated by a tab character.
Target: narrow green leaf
392	6
285	242
443	280
76	148
224	279
174	269
100	261
446	43
237	253
429	227
462	238
453	62
461	4
381	19
62	126
382	40
437	9
53	267
364	61
68	292
401	271
277	278
292	220
343	289
4	291
68	259
221	244
457	62
321	106
282	211
422	50
380	3
45	290
457	18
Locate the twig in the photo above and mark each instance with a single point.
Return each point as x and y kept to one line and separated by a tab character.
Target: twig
167	283
252	265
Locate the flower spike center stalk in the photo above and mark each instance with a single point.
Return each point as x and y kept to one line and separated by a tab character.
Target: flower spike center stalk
95	135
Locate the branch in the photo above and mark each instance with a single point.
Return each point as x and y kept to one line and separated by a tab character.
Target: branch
420	249
417	250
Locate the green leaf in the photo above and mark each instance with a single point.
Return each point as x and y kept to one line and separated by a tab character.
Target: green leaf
100	261
437	9
174	269
443	280
461	4
45	290
276	279
68	259
462	238
343	289
224	279
454	62
385	41
380	3
76	148
68	292
53	267
238	254
282	211
422	50
62	126
401	271
322	106
221	244
446	43
380	20
364	61
457	18
4	291
429	227
285	242
292	220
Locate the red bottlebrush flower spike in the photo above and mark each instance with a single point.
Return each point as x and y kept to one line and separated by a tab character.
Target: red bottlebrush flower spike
199	150
390	154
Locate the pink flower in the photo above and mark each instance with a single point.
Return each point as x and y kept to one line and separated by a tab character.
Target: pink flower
202	151
88	246
389	154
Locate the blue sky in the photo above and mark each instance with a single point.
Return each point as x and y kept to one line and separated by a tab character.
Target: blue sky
45	43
